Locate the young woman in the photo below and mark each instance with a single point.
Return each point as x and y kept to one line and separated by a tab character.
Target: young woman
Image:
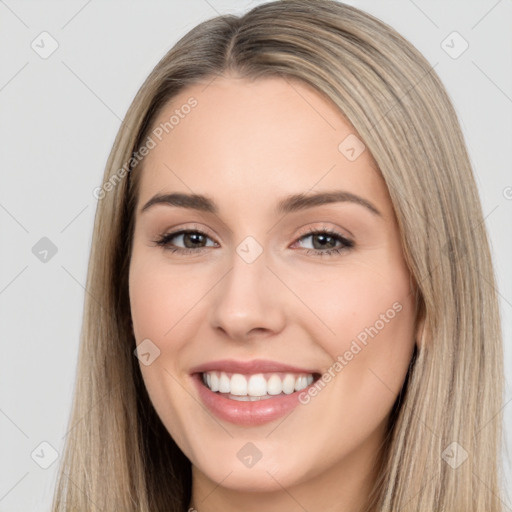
290	297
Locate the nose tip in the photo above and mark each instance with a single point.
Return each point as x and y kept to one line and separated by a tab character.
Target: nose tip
246	304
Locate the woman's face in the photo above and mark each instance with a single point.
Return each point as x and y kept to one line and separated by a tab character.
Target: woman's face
268	288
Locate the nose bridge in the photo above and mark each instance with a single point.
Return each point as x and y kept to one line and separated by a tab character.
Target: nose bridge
245	299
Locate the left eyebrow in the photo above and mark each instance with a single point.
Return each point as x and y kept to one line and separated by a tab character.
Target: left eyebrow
286	205
297	202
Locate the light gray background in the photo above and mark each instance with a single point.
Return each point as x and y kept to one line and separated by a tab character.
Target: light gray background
59	117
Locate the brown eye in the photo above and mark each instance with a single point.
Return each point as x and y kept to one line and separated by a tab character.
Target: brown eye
192	241
326	242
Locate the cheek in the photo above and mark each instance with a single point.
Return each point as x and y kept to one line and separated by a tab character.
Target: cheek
161	298
150	307
368	329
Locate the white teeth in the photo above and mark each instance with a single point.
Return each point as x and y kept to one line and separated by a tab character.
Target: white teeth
289	384
248	398
224	385
213	381
301	383
255	387
238	385
274	385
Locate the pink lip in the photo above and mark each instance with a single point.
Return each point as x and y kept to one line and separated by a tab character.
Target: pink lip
249	367
248	413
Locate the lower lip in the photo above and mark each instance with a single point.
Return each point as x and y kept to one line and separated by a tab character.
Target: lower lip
247	413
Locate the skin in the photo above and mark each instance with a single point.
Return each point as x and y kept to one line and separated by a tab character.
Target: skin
247	144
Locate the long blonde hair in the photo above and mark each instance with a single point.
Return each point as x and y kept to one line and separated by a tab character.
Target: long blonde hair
119	456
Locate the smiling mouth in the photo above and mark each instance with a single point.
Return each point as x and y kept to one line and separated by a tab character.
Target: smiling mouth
258	386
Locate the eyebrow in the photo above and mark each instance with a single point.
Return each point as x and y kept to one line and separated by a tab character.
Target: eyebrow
286	205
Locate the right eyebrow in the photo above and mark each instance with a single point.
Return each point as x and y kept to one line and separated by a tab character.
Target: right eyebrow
194	201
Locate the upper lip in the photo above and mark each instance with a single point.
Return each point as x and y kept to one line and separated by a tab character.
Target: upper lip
249	367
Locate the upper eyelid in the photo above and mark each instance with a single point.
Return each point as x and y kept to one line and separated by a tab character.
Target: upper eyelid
313	230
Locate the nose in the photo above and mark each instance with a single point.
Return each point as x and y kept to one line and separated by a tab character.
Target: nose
248	301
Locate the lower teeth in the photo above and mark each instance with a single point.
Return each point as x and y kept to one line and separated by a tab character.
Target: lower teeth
241	398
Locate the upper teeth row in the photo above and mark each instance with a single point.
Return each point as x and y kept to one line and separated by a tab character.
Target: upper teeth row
256	385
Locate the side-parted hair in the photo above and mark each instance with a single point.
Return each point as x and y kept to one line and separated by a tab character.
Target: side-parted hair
118	454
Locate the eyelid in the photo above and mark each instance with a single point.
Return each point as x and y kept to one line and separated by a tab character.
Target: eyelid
302	231
175	230
308	230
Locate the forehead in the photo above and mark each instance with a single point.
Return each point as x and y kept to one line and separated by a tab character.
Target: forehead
255	139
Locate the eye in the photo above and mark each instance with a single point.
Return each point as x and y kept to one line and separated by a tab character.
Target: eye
326	242
192	240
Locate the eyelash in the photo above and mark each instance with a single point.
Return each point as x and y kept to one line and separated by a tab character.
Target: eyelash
163	241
